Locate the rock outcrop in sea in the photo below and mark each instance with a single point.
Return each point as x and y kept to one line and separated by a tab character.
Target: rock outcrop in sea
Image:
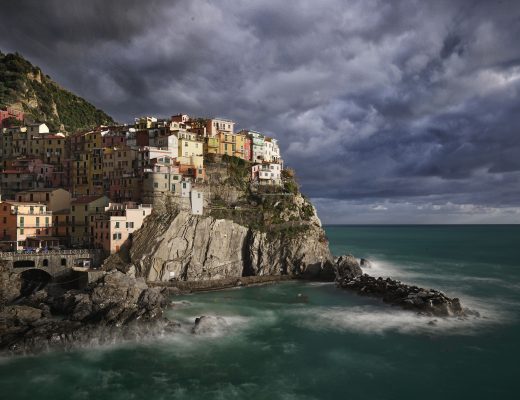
350	276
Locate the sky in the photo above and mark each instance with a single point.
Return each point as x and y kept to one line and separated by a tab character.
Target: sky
400	111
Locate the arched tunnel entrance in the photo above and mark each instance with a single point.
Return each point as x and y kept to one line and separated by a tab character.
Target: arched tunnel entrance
34	280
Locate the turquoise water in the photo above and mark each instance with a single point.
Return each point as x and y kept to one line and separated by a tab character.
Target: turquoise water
312	341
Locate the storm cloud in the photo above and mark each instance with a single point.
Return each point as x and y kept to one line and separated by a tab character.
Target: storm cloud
401	111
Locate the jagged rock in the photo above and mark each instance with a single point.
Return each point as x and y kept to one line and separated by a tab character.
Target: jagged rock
20	315
117	300
194	248
10	284
347	266
425	301
209	325
363	262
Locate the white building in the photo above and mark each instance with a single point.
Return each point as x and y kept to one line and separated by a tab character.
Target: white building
37	129
216	125
267	173
185	188
197	202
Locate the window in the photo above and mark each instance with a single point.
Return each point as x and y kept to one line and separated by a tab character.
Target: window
63	262
117	225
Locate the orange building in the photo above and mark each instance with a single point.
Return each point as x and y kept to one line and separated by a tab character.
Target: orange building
22	221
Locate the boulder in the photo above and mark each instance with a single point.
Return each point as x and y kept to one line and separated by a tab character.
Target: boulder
364	263
347	267
209	325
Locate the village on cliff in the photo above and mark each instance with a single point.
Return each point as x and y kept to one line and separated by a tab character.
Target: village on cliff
93	189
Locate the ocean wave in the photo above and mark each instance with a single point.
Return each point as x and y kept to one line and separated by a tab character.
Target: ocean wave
374	320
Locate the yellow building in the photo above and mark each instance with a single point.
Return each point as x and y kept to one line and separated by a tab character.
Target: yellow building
227	143
61	226
212	145
191	150
81	170
83	212
230	144
54	198
53	147
145	122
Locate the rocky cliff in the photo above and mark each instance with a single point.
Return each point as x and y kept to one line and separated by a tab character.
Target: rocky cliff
188	247
246	230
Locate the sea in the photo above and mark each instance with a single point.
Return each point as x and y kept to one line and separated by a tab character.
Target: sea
296	340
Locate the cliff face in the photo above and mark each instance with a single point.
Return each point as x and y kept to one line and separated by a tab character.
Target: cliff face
187	247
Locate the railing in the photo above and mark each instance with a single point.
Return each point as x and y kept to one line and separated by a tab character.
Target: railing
50	252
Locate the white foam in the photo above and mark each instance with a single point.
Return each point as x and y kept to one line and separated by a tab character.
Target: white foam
381	320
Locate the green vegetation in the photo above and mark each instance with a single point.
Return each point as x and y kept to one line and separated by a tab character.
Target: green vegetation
42	100
239	172
276	210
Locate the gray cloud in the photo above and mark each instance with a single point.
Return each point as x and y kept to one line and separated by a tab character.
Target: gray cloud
373	101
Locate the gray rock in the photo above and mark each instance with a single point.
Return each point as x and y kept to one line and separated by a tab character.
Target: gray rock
209	325
10	284
364	263
196	248
347	266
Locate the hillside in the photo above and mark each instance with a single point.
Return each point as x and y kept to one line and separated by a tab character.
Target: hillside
25	87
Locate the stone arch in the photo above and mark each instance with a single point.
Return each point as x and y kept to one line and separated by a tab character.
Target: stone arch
34	279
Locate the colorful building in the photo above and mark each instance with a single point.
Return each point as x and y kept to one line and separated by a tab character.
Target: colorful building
20	221
115	226
83	211
54	198
216	125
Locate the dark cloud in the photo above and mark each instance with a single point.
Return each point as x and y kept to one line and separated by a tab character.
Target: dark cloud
405	103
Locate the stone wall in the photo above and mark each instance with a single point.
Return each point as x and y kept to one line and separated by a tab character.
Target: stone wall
56	263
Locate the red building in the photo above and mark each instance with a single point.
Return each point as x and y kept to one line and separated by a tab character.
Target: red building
10	113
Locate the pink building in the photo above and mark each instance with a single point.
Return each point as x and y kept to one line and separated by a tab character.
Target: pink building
10	113
116	225
113	139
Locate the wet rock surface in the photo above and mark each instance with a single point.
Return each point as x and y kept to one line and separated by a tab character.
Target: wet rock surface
209	325
347	267
117	306
425	301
